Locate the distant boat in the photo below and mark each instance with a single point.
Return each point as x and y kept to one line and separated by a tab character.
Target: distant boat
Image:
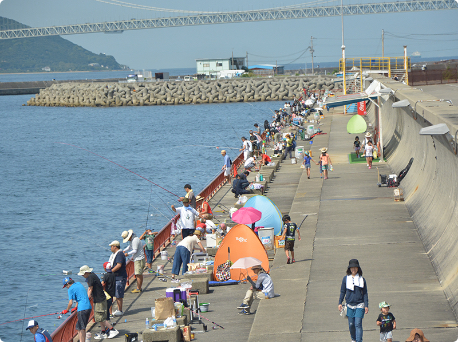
416	54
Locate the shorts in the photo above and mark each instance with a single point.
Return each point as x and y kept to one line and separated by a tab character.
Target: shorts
307	166
120	285
289	245
324	167
227	172
386	335
357	149
100	312
83	319
149	256
139	265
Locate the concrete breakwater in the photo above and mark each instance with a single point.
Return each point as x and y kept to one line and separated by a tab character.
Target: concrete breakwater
430	189
112	94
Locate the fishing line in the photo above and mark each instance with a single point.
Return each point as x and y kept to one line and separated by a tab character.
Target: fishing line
125	168
149	204
200	315
25	309
217	147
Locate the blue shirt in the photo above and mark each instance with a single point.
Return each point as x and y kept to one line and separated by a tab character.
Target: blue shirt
227	161
42	336
307	159
120	259
78	292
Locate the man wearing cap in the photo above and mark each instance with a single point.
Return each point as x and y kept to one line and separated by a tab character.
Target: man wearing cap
39	334
77	293
118	262
135	249
227	166
109	284
187	217
95	290
263	285
183	252
189	195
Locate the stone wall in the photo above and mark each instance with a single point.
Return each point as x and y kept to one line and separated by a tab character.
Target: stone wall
111	94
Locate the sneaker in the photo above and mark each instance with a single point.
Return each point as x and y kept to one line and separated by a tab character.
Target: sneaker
370	167
245	312
243	306
288	261
118	313
136	291
293	261
100	336
113	333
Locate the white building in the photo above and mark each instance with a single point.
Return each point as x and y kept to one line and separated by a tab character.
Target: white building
211	66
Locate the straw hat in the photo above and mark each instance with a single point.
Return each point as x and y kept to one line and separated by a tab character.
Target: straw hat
126	235
199	198
258	267
324	149
197	232
420	333
84	269
368	134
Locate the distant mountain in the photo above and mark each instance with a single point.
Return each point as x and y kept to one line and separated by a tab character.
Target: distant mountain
48	54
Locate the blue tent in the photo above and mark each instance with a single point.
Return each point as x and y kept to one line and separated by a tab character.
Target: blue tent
271	216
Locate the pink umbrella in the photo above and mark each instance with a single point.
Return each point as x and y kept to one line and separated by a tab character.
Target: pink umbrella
246	215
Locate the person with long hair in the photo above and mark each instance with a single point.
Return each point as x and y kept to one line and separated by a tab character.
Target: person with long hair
354	291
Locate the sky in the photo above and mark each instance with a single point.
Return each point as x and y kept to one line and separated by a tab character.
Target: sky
432	33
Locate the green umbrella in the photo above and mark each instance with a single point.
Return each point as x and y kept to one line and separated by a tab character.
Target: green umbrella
356	125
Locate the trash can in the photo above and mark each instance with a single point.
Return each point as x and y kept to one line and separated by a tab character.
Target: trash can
266	235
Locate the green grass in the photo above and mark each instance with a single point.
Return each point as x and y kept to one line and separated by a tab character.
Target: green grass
353	160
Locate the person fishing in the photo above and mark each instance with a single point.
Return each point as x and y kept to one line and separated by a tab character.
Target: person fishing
262	289
204	208
39	334
187	217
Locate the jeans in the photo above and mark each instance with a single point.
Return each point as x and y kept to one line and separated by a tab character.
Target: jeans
355	325
182	256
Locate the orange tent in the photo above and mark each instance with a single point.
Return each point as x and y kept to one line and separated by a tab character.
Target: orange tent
240	242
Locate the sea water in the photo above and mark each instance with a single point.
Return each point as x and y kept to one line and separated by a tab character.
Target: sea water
61	206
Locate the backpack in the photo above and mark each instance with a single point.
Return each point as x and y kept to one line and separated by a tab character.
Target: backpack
293	145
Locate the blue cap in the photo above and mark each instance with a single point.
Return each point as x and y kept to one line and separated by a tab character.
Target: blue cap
65	281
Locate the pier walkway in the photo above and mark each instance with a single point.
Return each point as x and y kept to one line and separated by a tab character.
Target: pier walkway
349	217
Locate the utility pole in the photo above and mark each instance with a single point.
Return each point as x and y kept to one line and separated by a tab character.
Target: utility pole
276	68
312	51
247	59
383	43
232	66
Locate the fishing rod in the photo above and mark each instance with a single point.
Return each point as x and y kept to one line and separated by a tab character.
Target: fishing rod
200	315
25	318
217	147
125	168
149	204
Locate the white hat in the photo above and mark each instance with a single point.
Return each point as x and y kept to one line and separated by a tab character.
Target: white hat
84	269
32	323
115	243
324	149
126	235
368	134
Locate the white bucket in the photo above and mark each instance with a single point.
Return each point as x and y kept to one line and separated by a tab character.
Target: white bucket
266	235
310	129
299	152
164	255
160	269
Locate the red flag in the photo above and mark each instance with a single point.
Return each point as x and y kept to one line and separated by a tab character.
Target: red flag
362	108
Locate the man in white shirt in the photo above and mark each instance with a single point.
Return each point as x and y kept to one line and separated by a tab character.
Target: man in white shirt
187	217
135	249
247	148
183	253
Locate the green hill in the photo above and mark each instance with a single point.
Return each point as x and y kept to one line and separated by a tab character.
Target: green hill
57	53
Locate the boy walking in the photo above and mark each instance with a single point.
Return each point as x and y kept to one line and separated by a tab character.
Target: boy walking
387	322
357	145
306	163
289	230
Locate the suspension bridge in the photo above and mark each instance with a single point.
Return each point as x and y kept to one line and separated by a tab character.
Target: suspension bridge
210	18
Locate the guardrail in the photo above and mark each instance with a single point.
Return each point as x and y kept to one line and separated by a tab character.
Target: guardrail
66	331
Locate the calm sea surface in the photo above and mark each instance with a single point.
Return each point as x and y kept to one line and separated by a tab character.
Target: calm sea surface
61	206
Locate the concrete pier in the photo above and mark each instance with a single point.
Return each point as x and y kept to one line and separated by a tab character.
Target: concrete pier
349	217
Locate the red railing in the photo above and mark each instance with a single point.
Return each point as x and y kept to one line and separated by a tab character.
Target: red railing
66	331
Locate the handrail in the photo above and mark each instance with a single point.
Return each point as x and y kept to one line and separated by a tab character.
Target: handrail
66	331
456	135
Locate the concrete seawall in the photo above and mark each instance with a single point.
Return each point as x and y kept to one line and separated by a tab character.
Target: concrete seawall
173	93
430	187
